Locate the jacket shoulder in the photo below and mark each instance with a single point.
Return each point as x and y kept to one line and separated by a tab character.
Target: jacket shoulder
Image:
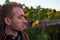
25	36
1	34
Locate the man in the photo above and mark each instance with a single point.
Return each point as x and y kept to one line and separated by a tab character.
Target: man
14	22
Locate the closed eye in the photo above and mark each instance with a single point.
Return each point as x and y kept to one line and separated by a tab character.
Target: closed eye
21	16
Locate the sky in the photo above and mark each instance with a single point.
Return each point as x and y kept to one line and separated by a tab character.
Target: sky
53	4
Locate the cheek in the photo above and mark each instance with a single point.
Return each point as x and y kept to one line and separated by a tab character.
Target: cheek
17	22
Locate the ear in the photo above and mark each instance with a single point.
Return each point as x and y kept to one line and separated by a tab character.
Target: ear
7	21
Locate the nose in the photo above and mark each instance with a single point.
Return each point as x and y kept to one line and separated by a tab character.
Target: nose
24	20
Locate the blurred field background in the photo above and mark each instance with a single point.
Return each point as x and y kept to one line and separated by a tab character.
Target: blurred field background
36	14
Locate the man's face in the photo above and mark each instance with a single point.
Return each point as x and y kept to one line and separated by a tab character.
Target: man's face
18	22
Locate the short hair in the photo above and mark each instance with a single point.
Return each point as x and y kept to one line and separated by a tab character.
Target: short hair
6	9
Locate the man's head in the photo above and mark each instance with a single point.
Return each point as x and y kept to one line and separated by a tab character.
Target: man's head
13	16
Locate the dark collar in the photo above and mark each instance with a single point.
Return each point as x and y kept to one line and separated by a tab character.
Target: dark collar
10	37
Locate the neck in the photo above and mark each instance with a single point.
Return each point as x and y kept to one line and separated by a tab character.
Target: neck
10	31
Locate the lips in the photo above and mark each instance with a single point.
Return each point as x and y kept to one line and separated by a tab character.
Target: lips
24	26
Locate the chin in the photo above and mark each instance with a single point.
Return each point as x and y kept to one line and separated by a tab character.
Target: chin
21	29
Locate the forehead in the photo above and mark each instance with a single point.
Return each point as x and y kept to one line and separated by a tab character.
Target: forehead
18	11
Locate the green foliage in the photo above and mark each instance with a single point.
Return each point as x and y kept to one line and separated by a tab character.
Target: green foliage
40	13
0	5
7	1
44	33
